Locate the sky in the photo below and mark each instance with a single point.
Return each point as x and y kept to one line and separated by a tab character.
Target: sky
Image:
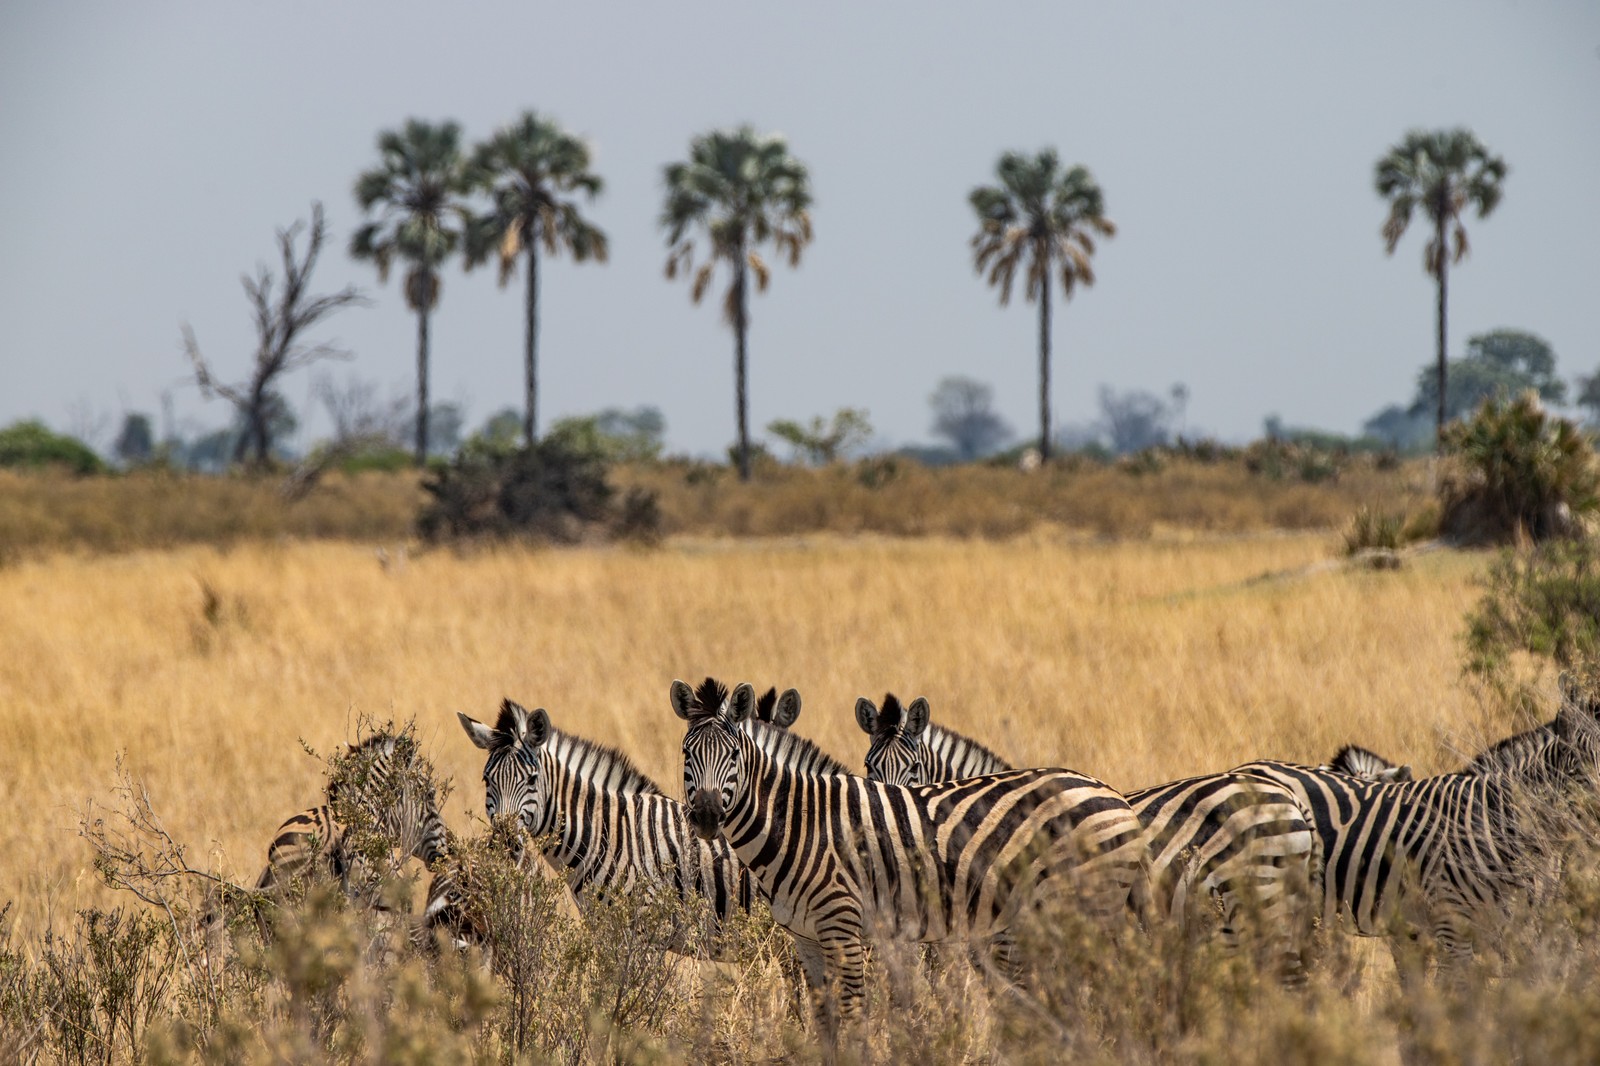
152	149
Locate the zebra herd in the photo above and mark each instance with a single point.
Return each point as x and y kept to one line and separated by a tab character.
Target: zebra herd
944	841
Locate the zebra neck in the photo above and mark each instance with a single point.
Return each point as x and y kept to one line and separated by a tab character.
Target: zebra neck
753	825
947	755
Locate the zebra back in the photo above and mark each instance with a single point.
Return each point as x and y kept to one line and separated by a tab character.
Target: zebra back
1239	840
1444	851
303	843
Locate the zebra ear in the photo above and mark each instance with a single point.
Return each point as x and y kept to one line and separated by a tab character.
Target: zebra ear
682	697
538	729
866	715
742	704
483	736
787	712
916	719
518	725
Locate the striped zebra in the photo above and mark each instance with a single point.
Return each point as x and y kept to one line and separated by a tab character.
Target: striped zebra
607	825
1242	841
841	858
381	792
1448	854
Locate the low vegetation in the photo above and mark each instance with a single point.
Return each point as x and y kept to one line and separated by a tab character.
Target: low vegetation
1207	489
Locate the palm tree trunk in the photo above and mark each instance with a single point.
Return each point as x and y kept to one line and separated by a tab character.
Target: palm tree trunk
530	418
1044	370
741	397
1443	262
422	373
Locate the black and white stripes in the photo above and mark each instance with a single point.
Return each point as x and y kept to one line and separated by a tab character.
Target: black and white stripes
838	855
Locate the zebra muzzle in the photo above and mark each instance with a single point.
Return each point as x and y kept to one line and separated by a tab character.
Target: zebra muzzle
705	813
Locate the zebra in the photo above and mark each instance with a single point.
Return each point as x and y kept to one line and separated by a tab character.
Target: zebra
607	825
1242	841
1443	853
841	858
380	789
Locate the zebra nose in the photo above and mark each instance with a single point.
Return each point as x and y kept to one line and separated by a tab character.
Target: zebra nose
705	813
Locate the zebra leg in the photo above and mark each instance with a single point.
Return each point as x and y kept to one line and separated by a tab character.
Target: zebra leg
846	956
813	964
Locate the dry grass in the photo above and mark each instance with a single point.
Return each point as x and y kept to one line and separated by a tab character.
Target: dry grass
44	513
1136	661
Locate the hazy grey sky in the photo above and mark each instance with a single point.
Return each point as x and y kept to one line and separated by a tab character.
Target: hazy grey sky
151	149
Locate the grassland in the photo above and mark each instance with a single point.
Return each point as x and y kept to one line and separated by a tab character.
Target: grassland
45	513
1138	661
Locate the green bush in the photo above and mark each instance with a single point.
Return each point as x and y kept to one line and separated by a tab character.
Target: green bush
1542	605
555	490
1371	529
32	444
1518	471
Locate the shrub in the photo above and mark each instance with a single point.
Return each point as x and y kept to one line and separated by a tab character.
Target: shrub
1370	529
1518	471
32	444
551	490
1541	604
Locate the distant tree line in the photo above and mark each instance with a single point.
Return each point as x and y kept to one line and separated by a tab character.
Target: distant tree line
738	202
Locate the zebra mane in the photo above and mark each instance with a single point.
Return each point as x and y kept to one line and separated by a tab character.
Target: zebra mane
888	720
764	705
709	696
608	768
379	764
1514	751
1362	762
384	741
793	750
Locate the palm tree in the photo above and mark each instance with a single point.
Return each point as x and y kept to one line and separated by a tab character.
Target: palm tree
742	190
526	168
1443	172
418	190
1043	218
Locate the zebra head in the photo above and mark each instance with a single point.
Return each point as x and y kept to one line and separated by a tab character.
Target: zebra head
711	763
387	776
513	781
1368	765
895	756
1577	723
778	711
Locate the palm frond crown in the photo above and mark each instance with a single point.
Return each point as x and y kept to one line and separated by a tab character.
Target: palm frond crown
414	203
534	173
1444	173
1037	218
741	190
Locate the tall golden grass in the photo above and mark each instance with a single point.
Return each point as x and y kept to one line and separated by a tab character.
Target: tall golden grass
1135	661
1138	661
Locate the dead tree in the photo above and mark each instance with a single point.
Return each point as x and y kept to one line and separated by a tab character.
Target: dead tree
282	317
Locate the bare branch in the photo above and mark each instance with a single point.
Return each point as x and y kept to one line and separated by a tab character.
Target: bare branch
283	313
